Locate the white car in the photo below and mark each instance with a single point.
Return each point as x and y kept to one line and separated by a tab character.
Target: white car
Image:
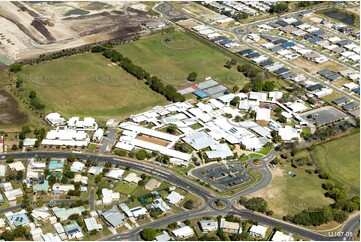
2	157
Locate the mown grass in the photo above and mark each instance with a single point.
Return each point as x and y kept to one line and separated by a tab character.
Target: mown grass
173	60
88	85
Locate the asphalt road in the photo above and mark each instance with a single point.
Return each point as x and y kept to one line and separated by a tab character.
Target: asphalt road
54	201
206	195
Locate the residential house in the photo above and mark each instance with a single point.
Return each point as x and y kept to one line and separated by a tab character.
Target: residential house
73	231
208	225
229	227
183	232
91	224
174	198
258	231
113	218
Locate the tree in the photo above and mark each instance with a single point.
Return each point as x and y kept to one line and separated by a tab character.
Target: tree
279	8
7	235
15	68
9	159
14	147
172	128
235	89
141	183
51	180
20	175
192	76
235	101
282	119
19	82
257	204
32	95
148	234
340	216
269	86
172	225
141	154
278	110
189	204
71	158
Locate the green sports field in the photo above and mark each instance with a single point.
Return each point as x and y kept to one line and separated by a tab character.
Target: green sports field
173	56
341	158
88	84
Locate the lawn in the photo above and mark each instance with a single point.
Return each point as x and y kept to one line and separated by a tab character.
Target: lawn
173	56
341	158
290	195
89	85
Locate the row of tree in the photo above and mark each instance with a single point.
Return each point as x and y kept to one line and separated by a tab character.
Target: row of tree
153	81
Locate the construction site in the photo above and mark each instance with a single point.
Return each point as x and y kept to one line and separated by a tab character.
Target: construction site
29	29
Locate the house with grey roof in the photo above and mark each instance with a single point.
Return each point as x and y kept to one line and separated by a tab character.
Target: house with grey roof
113	218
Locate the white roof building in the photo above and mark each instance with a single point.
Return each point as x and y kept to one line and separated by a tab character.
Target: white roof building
67	137
29	142
2	170
41	214
91	224
17	166
161	204
219	151
184	232
174	197
88	124
98	135
259	96
279	236
49	237
208	225
13	194
138	211
199	140
288	133
297	107
77	166
62	188
109	196
229	227
275	95
115	173
55	119
263	114
258	231
95	170
80	178
132	177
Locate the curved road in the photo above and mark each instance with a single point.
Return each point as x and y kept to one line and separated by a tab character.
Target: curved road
207	209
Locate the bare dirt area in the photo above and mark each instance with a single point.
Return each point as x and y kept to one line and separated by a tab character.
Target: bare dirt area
314	68
29	29
10	114
153	140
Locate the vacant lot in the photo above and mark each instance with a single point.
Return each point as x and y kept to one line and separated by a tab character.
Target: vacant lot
88	84
10	114
341	158
173	56
290	195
